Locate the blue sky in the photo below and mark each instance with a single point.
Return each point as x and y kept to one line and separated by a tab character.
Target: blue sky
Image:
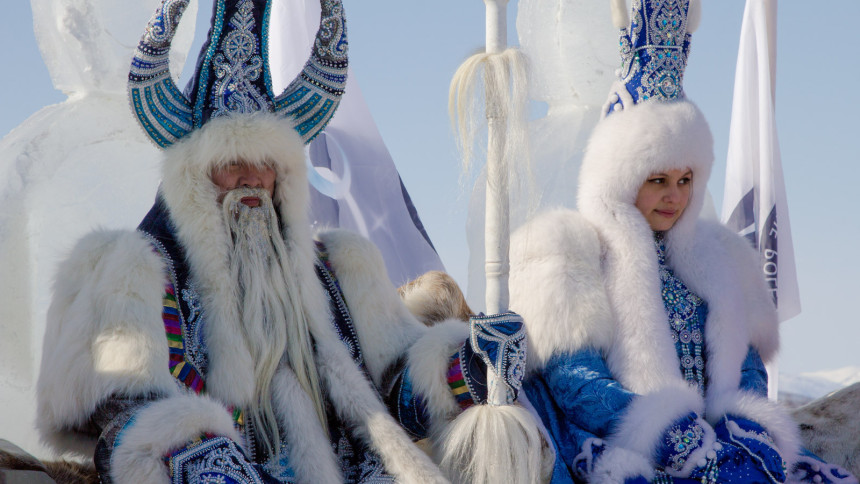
405	53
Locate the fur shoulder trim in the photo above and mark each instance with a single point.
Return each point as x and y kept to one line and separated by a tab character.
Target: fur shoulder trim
104	331
557	285
164	426
384	325
385	330
761	315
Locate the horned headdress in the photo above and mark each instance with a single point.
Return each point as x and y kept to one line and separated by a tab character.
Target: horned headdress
233	74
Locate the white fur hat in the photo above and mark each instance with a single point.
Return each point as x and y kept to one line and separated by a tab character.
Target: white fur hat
628	146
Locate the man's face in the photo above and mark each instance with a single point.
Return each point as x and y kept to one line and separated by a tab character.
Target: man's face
240	174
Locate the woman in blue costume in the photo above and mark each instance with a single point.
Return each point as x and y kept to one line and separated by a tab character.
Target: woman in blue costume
649	327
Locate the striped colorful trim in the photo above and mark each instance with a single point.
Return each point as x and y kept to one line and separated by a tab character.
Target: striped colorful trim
179	368
457	383
238	415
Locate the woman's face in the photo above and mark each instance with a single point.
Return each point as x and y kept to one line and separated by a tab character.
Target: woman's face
664	196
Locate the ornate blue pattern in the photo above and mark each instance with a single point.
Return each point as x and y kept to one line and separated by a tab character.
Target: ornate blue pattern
214	461
682	439
313	96
359	466
654	49
237	66
233	74
687	313
195	344
162	110
753	439
340	318
499	341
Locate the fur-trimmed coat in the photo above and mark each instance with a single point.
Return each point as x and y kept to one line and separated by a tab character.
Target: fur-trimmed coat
587	284
106	347
107	338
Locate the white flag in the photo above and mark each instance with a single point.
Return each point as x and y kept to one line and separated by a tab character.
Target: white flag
354	183
754	200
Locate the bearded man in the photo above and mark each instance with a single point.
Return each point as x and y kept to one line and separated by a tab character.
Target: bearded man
222	342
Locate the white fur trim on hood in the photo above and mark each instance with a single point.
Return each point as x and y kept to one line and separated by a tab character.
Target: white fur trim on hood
557	287
190	195
626	147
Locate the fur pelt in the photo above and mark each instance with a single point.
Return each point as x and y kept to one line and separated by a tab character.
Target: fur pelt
16	465
590	279
433	297
829	427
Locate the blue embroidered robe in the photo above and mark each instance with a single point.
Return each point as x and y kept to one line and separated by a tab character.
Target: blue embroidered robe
580	402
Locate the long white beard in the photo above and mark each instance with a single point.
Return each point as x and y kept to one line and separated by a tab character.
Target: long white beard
273	319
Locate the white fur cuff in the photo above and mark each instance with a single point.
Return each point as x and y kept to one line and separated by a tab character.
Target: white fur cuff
161	427
617	464
648	417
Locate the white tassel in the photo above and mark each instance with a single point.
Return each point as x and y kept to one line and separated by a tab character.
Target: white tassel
694	15
620	17
492	444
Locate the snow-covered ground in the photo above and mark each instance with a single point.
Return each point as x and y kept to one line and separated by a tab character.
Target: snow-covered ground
796	390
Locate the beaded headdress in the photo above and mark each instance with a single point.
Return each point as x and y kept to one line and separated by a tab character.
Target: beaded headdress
654	44
232	74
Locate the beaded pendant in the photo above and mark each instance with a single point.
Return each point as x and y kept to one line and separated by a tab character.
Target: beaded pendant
686	315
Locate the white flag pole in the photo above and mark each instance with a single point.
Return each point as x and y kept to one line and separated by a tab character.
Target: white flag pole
517	437
754	201
497	219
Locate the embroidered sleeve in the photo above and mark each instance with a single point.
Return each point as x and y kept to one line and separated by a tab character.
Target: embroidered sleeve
583	388
403	402
577	449
754	374
213	459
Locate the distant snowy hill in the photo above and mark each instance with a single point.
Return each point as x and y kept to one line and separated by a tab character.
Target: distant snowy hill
796	390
